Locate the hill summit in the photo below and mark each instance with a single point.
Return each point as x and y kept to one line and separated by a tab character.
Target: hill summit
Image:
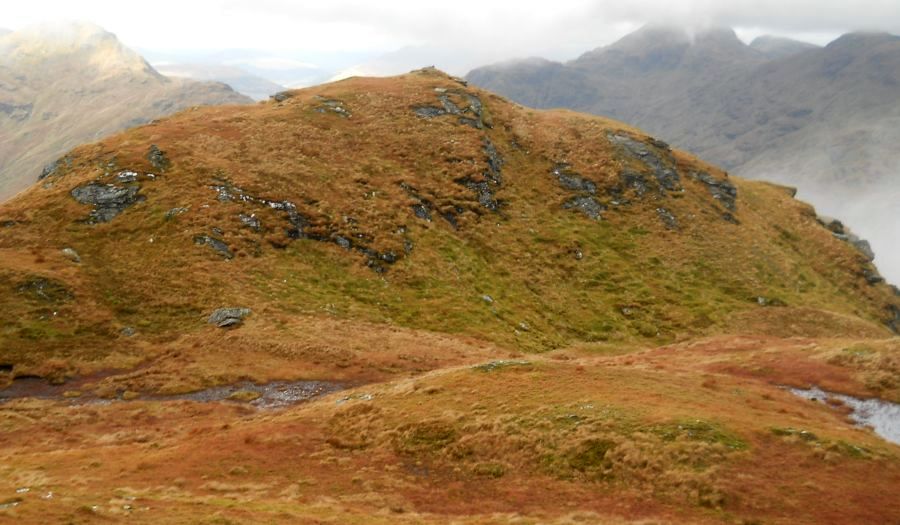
408	300
420	202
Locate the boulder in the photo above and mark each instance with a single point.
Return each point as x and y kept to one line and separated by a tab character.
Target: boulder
71	255
226	317
108	200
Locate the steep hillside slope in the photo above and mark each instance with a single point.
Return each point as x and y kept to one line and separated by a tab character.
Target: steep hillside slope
63	86
530	317
824	119
417	202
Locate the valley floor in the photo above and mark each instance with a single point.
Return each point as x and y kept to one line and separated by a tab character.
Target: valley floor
695	432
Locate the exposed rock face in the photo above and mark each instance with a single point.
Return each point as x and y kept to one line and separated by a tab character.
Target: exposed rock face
216	244
227	317
486	188
584	200
586	205
158	158
667	218
55	166
721	190
656	156
108	200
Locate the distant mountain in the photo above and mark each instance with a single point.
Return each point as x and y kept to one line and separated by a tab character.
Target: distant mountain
780	47
242	81
824	119
64	85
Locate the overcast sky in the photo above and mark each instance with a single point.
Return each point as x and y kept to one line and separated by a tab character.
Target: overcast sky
490	30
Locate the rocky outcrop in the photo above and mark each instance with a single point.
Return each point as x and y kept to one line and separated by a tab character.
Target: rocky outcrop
584	199
656	156
108	200
158	158
491	178
328	105
721	189
55	167
220	246
228	317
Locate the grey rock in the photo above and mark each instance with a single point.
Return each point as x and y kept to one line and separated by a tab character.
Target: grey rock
421	211
343	242
128	331
667	218
488	299
158	158
333	106
250	221
226	317
571	180
71	255
429	111
108	200
587	205
721	190
216	244
872	276
471	122
656	156
281	96
174	212
865	248
55	167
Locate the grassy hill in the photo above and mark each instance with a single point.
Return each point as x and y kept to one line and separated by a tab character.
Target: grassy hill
530	302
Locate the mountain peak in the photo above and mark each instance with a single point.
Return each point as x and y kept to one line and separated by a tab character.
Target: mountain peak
862	40
86	43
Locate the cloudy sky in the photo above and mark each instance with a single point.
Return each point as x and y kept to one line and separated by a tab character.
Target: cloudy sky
460	34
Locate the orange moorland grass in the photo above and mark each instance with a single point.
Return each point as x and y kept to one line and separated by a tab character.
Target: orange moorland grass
532	275
508	357
507	441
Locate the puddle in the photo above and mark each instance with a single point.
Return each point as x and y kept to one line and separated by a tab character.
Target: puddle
268	395
882	416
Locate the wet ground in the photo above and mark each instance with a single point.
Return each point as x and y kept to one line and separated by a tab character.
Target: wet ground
882	416
268	395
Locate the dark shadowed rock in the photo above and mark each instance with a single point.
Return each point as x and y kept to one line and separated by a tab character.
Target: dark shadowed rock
570	180
108	200
281	96
721	190
216	244
655	155
225	317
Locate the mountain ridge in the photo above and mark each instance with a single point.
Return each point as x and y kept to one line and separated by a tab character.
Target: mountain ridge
822	119
56	92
